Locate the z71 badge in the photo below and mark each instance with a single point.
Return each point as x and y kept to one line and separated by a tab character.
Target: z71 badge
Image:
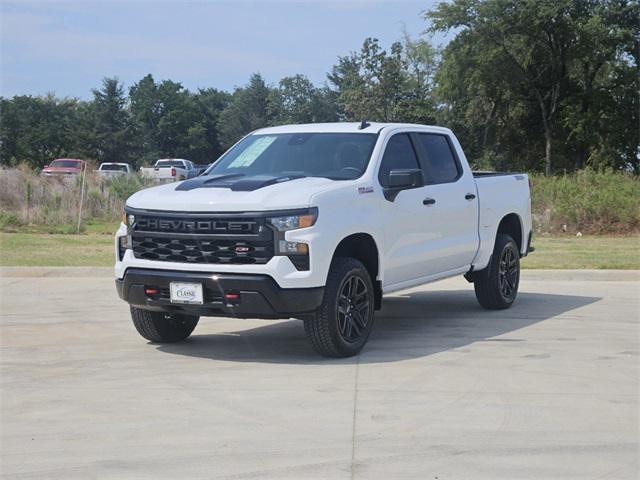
362	190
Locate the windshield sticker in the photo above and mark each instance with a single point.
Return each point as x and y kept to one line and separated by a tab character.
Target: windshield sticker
252	152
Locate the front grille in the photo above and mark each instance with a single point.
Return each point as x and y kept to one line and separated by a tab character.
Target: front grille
191	250
208	241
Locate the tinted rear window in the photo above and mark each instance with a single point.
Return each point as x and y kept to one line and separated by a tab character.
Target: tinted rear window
441	163
66	164
115	168
169	163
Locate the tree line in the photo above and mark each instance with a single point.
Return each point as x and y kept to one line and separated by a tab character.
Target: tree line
536	85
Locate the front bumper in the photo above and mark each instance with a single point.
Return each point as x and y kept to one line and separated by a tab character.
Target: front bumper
259	295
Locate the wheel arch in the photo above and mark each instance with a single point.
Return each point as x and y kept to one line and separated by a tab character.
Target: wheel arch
511	224
362	246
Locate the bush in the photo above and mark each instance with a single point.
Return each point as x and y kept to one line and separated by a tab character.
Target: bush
588	201
124	186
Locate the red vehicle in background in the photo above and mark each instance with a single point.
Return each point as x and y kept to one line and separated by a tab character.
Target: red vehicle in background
64	166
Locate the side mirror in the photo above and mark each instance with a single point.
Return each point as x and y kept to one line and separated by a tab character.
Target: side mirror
46	166
399	180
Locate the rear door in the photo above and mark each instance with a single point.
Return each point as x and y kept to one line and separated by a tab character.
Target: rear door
452	216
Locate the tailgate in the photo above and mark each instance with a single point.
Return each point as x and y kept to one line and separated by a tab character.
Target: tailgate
157	172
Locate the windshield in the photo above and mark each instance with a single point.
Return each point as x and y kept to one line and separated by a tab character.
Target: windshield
113	167
339	156
169	163
66	163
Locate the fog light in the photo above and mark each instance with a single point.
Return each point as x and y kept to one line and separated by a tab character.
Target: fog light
292	248
125	242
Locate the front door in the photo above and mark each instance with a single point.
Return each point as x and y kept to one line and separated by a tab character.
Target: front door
407	234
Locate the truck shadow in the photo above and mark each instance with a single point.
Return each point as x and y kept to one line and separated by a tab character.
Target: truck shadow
408	326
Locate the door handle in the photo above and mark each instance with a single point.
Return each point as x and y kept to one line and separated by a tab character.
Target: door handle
428	201
470	196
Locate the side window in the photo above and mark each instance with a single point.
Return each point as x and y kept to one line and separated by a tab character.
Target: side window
398	155
441	165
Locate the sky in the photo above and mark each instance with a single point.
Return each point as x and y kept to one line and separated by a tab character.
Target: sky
67	48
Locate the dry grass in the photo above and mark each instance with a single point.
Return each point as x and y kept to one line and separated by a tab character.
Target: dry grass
29	201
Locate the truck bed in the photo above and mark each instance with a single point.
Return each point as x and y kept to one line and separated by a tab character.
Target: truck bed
500	193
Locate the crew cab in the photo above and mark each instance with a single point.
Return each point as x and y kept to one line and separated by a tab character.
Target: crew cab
112	169
170	170
63	166
317	222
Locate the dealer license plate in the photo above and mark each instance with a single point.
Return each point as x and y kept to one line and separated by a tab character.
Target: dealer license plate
185	292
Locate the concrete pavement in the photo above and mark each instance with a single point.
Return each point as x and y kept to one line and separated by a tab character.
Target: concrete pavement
444	390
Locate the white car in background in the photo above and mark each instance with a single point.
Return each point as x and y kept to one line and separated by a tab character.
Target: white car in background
111	169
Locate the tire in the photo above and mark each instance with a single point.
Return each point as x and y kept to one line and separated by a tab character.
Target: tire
342	324
160	327
496	286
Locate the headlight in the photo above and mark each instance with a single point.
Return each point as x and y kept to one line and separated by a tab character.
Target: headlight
294	222
127	219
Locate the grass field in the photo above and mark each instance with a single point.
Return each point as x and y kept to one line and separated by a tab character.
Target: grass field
598	252
57	250
95	248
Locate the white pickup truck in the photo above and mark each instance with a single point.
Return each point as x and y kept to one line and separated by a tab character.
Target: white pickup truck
170	170
111	169
318	222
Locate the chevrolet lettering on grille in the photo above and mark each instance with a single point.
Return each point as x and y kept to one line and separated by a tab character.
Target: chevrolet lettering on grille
195	226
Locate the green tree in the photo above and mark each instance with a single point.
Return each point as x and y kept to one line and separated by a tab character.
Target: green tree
394	86
170	121
36	130
111	135
531	66
250	108
203	135
601	117
297	100
146	111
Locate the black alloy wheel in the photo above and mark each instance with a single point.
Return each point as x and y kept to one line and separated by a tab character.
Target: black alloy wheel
508	272
496	285
340	327
353	309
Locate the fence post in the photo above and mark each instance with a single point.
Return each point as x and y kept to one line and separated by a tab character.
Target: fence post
84	169
28	202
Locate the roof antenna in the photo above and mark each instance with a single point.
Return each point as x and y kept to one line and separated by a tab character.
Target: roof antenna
364	124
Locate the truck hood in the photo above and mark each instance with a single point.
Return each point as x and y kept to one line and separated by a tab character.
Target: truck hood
227	193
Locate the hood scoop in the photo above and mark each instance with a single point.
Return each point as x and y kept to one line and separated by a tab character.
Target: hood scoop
235	182
208	181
